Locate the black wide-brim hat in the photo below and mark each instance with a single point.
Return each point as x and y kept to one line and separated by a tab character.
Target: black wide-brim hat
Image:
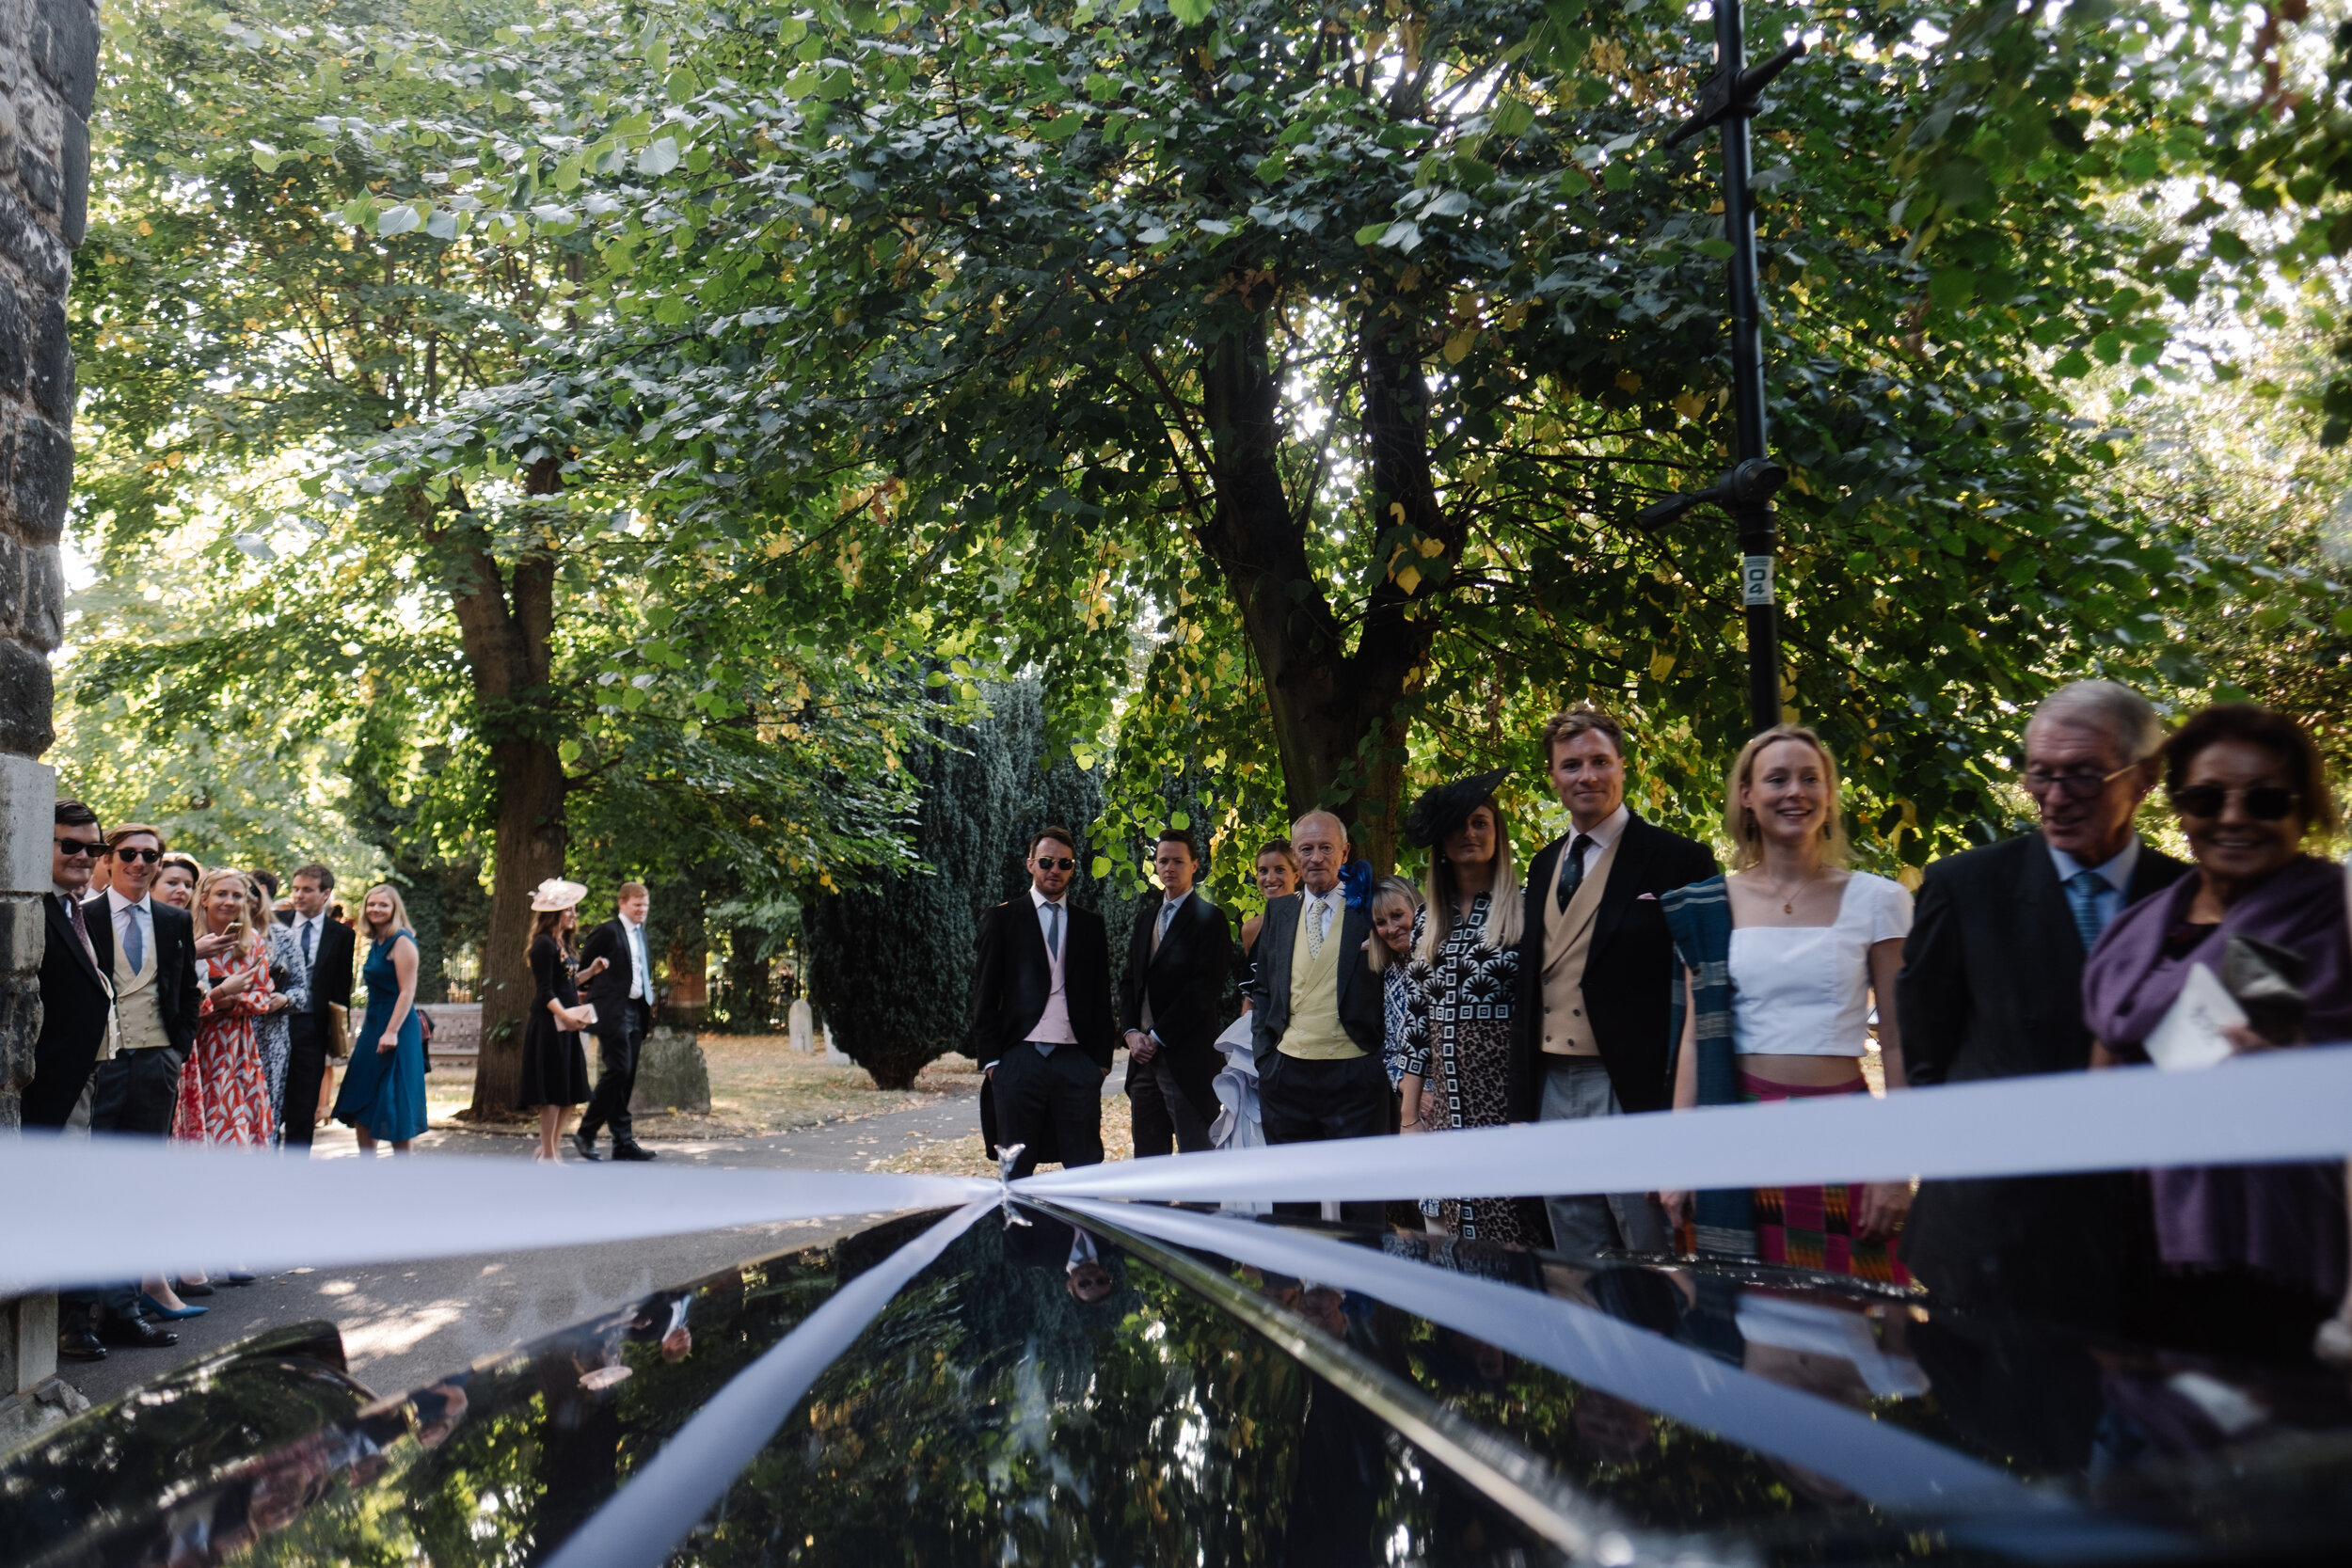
1445	807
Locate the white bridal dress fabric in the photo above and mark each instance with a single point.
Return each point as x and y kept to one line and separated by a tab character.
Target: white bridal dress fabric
1238	1125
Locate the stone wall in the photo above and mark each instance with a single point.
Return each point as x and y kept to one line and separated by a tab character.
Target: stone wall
48	72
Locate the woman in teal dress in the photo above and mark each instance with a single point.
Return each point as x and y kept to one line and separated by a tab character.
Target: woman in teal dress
383	1092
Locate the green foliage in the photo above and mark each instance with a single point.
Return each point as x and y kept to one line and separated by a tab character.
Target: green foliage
985	787
1332	355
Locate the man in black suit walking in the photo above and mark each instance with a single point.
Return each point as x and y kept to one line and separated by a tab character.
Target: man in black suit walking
1597	970
1042	1028
1992	988
1315	1010
622	993
1175	980
327	949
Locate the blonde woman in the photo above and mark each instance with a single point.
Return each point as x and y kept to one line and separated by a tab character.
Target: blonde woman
1394	905
224	1090
1781	961
1461	988
382	1097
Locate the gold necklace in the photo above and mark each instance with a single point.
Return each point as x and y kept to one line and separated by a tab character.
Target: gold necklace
1789	900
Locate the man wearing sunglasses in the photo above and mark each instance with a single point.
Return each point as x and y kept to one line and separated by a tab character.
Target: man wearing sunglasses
156	991
1992	988
1042	1027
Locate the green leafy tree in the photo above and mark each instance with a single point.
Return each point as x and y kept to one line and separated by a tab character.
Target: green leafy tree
1337	348
534	668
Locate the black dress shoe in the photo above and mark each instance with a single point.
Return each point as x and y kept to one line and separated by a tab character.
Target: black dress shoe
136	1334
238	1278
586	1145
79	1345
187	1290
632	1150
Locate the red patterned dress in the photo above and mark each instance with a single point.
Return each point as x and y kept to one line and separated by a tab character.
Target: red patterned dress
224	1090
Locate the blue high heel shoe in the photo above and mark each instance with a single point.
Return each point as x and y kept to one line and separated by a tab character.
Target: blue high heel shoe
154	1308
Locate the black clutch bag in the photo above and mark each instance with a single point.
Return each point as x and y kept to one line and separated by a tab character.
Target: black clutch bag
2266	980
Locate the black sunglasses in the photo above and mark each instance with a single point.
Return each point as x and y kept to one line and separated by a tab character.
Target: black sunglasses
2262	802
149	856
1064	865
80	849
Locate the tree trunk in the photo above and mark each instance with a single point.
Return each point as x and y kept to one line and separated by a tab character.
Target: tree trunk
1337	712
506	621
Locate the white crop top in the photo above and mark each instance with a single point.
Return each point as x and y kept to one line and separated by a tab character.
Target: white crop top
1804	990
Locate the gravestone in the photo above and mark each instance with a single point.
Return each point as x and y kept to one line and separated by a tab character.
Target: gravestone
672	1074
803	1027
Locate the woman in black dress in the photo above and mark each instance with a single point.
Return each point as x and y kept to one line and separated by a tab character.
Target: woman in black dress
555	1068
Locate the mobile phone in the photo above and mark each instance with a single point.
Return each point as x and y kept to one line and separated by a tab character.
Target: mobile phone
236	928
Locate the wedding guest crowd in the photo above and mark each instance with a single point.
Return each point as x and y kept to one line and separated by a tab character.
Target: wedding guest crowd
166	1004
1627	976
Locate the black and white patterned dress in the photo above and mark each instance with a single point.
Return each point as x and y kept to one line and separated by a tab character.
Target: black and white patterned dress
1457	1038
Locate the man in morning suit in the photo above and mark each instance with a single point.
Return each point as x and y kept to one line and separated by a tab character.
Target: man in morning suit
327	949
1992	988
622	993
1597	970
1042	1027
1315	1010
1168	1002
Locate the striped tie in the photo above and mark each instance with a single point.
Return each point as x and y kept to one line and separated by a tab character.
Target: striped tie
2082	891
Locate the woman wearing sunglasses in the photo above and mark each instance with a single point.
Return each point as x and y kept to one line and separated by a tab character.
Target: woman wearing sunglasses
2251	1259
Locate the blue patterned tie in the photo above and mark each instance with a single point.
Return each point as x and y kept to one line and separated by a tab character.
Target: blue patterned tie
134	939
1053	931
2082	891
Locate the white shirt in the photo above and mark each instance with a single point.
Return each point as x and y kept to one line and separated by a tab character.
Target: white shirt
123	912
1053	1024
1602	836
1804	990
2116	873
638	963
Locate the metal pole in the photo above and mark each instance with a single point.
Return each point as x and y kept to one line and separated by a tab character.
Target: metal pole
1759	535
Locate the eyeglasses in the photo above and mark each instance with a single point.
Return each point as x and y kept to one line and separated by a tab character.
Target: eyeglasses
2077	786
149	856
1050	864
80	849
2262	802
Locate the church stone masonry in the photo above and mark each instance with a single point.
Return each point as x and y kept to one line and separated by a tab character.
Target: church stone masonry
48	73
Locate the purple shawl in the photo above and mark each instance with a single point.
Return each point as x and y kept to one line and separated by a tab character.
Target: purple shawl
2287	1221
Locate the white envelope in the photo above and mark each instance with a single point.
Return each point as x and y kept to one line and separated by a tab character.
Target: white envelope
2190	1035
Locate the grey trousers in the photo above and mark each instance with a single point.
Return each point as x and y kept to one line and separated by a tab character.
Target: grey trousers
1576	1087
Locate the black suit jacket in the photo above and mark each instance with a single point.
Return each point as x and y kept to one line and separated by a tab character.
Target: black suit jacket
74	999
332	963
1992	988
176	991
1993	970
1012	979
1269	987
609	991
1185	981
1629	973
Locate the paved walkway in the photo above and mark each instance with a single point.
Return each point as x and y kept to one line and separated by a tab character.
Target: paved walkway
406	1323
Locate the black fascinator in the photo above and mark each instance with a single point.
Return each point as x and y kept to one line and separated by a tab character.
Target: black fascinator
1445	807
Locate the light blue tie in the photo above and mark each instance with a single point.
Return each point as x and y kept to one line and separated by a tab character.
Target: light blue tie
1168	912
1053	931
134	939
2083	890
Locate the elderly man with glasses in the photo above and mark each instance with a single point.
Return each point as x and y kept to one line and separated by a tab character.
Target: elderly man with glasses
1992	988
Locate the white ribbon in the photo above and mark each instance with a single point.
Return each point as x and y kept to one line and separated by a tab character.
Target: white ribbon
2270	1107
642	1522
82	1211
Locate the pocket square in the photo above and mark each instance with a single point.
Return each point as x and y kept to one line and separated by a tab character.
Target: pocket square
1650	897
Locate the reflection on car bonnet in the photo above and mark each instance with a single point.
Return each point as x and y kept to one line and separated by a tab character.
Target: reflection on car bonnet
1803	1325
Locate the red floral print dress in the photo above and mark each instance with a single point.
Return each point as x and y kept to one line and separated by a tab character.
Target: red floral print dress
224	1089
